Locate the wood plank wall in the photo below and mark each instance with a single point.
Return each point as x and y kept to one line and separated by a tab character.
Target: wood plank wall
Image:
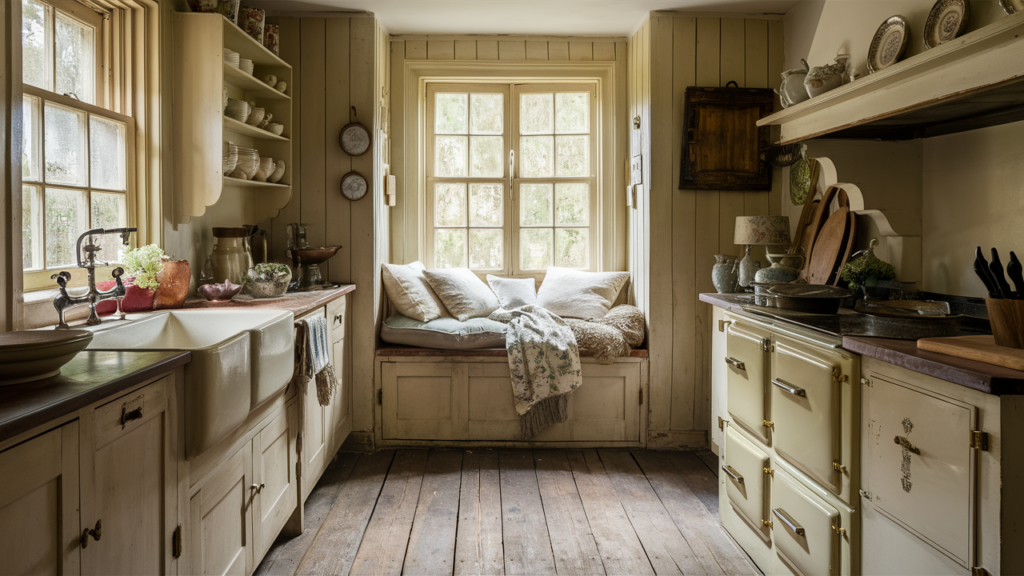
338	63
405	218
674	234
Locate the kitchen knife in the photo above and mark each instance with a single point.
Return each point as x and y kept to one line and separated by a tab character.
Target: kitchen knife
997	271
1016	273
981	269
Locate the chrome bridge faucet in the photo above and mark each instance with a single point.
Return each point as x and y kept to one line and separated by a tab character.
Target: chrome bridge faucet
63	301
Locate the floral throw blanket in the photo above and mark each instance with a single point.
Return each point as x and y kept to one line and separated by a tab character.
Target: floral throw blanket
545	365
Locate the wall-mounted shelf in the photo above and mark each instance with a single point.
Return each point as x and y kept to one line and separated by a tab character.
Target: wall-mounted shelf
200	127
972	82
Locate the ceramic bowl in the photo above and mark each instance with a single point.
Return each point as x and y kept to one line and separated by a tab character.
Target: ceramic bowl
270	80
256	116
281	86
275	128
230	157
248	162
266	120
237	110
26	356
219	292
278	173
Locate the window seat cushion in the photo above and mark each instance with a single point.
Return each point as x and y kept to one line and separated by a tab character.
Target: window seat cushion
444	333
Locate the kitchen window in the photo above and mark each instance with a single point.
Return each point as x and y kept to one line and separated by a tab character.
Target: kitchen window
78	156
511	177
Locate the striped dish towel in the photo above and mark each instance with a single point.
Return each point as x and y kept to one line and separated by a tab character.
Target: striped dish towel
313	358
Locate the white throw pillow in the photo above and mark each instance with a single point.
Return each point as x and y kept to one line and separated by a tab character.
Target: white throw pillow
576	294
410	293
513	292
464	294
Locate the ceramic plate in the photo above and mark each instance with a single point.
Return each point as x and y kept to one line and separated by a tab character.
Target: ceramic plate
946	21
889	43
799	181
1012	6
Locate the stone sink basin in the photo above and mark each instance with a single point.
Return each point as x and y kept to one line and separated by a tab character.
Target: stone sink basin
240	358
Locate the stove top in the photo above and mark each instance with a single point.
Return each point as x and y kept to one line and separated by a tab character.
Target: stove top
850	323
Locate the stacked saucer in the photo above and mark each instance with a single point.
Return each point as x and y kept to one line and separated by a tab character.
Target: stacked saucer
231	58
246	65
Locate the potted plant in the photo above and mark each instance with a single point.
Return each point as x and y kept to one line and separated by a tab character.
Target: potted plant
866	270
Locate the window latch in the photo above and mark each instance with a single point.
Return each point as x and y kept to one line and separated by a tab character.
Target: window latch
511	168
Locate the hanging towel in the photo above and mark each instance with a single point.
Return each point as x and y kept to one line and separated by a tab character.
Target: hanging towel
313	359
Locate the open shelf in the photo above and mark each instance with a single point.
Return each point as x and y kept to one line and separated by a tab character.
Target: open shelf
240	183
250	83
236	39
251	131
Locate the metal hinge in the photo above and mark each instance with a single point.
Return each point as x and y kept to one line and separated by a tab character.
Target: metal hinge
768	424
769	471
979	440
838	530
176	542
768	523
766	344
839	467
721	423
641	396
838	376
380	396
866	381
722	324
298	469
298	443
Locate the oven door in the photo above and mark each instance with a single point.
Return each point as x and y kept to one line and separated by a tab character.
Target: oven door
805	528
747	362
746	472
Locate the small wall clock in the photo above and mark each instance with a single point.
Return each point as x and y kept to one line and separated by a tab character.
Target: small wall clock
353	186
354	137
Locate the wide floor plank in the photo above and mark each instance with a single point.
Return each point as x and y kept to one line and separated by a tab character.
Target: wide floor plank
697	525
621	551
387	534
338	539
524	530
710	459
697	477
432	542
572	541
478	548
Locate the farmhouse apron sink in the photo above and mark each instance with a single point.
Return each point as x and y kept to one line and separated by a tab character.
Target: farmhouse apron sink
240	358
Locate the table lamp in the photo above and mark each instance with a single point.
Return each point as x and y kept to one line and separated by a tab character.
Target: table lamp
758	231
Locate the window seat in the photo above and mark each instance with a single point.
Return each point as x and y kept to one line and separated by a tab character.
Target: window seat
393	351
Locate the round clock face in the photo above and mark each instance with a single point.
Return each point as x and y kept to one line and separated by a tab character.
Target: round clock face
355	139
353	186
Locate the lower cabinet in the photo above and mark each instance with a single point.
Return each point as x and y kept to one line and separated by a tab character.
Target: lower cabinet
274	473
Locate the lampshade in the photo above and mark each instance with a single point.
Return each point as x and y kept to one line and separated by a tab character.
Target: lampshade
762	230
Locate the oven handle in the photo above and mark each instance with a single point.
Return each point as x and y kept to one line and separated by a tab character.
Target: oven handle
733	474
787	387
735	363
788	521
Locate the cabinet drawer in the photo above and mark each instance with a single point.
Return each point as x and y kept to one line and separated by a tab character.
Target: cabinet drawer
919	466
130	411
806	410
746	480
747	362
336	318
805	528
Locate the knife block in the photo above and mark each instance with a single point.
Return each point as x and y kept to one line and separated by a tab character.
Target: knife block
1007	318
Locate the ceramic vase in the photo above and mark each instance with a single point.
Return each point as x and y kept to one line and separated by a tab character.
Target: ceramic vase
272	38
174	279
723	274
252	21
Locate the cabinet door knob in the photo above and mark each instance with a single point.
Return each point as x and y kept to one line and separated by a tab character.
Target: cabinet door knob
94	532
258	487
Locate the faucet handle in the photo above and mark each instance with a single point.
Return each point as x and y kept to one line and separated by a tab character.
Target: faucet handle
62	278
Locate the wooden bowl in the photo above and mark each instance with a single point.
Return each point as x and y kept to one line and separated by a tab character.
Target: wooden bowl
30	355
1007	318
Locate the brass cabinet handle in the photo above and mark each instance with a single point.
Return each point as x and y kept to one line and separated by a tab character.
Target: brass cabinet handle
733	474
735	363
787	387
902	441
788	521
95	533
339	318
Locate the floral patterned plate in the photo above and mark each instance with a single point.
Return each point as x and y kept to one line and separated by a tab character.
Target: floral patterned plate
947	20
889	43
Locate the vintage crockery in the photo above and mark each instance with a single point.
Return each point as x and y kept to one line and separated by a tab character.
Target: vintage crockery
724	274
246	65
278	173
229	9
947	20
1012	6
251	20
792	90
202	5
275	128
219	292
230	157
265	171
281	86
231	57
266	120
272	38
237	110
256	116
248	163
821	79
889	43
270	80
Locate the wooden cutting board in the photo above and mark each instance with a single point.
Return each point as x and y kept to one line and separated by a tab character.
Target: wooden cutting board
851	237
818	218
828	247
978	348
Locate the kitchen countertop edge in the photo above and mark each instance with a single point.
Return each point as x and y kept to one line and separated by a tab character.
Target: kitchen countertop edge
298	303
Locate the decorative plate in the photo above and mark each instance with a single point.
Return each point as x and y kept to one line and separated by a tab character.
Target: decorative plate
354	137
947	20
889	43
353	186
799	181
1012	6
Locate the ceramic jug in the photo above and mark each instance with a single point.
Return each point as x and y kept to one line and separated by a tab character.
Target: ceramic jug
230	259
792	90
723	274
821	79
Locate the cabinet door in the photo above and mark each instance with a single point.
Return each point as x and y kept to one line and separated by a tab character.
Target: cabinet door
314	444
340	410
421	401
273	471
221	519
747	362
805	528
607	406
39	521
130	483
746	470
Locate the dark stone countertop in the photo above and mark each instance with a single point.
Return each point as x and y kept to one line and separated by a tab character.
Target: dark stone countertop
987	378
89	377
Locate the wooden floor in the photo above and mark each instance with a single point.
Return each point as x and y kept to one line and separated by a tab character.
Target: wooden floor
513	512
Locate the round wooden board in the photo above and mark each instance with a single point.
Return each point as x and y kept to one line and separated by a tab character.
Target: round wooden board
851	237
810	235
828	247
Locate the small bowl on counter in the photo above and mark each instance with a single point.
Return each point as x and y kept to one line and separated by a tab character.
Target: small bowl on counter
268	280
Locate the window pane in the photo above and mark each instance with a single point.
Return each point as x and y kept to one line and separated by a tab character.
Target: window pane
109	211
573	155
35	53
535	204
535	248
571	247
572	204
67	216
75	59
537	157
451	114
31	153
536	114
486	154
106	153
487	112
450	248
65	145
450	156
449	204
572	113
486	204
485	249
31	228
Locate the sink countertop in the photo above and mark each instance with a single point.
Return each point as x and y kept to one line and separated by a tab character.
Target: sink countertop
297	302
89	377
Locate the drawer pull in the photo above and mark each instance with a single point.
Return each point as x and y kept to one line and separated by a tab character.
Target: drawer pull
733	474
338	319
788	521
787	387
902	441
735	363
94	532
129	415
